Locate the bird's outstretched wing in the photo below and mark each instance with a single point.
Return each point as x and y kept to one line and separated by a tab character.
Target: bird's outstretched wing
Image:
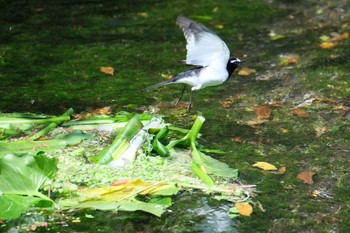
204	47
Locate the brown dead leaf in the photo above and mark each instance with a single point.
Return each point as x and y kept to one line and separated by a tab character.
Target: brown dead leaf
244	208
324	100
265	166
340	107
245	71
300	113
263	112
320	130
306	177
336	37
282	170
105	110
237	139
227	102
107	70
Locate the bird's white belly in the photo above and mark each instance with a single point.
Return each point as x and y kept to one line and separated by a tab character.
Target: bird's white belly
207	77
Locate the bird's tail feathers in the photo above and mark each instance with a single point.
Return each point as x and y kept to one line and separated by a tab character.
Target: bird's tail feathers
170	81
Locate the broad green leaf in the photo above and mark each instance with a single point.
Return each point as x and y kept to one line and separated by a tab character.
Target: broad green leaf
20	180
125	205
24	175
213	166
12	206
134	205
29	146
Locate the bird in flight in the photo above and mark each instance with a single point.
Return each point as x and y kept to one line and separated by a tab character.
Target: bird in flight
209	55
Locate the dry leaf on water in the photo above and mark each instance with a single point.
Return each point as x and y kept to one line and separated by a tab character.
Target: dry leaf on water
300	113
265	166
263	112
306	177
237	139
328	45
283	130
282	170
246	71
107	70
320	130
244	208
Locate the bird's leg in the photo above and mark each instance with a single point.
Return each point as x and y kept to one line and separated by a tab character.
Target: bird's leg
191	100
182	93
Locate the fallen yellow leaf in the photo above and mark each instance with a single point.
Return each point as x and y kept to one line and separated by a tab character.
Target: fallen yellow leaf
107	70
265	166
327	45
219	26
244	208
283	130
245	71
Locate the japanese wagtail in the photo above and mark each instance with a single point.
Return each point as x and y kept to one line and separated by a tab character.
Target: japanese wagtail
208	53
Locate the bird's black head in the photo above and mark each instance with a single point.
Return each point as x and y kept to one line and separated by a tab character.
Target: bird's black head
232	64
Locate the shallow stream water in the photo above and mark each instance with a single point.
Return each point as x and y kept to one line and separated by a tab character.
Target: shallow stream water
50	58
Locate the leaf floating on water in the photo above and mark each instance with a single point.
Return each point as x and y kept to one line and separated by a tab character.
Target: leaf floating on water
265	166
300	113
237	139
107	70
306	177
219	26
263	112
227	102
244	208
327	45
282	170
320	130
283	130
245	71
330	42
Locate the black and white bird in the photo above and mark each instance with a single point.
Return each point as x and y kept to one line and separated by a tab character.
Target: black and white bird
208	53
